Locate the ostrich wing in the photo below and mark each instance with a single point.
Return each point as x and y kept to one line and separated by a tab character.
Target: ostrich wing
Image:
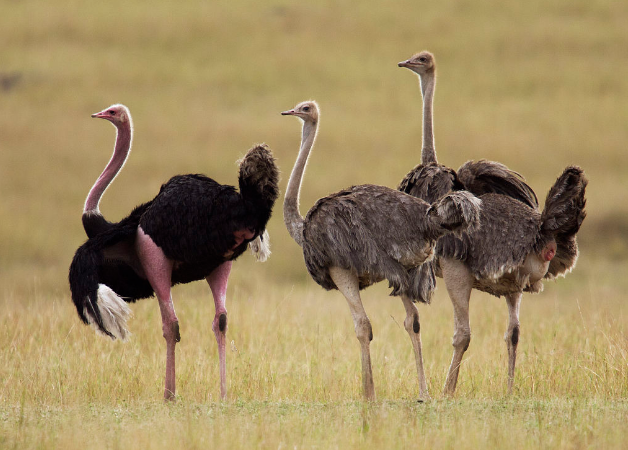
483	177
374	231
193	219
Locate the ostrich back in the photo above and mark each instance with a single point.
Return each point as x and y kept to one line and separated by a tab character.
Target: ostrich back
509	231
193	220
507	188
376	232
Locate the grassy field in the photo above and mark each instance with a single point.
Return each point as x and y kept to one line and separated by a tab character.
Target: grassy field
535	85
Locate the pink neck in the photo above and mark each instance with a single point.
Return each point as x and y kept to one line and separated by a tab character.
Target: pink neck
120	154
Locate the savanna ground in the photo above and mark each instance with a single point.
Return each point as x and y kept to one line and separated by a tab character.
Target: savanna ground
536	85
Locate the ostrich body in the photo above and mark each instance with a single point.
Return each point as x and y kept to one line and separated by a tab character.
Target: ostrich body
515	247
367	233
192	230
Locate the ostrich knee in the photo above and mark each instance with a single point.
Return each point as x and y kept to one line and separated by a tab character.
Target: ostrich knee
512	336
363	330
219	325
412	324
171	331
461	340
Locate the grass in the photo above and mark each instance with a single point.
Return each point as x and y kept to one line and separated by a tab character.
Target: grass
294	375
536	85
538	424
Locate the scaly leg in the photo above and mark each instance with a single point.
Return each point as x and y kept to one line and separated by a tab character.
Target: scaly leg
512	335
158	271
413	327
218	284
348	284
459	282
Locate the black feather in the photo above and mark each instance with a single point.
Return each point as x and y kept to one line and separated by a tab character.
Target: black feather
192	219
94	224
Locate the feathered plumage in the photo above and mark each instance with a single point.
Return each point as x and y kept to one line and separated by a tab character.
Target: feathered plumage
515	246
367	233
562	217
191	230
430	182
490	177
510	218
379	233
193	219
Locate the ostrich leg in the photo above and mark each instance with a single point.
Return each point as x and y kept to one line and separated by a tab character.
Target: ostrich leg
218	284
347	283
412	326
512	335
158	271
459	282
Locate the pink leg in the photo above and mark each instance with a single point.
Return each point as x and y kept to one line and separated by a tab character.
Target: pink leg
218	284
158	271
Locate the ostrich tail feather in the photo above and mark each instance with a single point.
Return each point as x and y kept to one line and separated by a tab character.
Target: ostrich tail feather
260	247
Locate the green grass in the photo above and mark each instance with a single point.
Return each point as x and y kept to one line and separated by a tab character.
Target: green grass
535	85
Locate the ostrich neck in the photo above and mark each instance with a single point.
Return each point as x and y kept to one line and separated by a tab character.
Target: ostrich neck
292	217
428	84
120	154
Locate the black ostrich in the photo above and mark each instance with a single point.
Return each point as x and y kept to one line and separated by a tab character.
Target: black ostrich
192	230
365	234
516	245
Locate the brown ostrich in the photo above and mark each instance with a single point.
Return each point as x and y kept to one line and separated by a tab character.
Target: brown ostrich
515	246
365	234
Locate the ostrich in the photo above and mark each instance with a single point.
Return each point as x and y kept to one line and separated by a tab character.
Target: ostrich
364	234
515	246
193	229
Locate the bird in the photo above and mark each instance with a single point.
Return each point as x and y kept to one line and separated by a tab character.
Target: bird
367	233
516	245
192	230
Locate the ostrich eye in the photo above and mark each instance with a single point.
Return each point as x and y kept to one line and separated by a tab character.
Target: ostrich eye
113	113
422	59
306	108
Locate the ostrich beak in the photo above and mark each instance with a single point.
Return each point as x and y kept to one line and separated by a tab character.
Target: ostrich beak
290	112
403	63
99	115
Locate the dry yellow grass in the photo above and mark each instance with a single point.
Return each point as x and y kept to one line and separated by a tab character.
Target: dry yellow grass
294	376
536	85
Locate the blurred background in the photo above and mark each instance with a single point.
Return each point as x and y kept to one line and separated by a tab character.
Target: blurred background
536	85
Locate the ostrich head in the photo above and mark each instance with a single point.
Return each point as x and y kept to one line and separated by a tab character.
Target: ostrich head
116	114
307	111
421	63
